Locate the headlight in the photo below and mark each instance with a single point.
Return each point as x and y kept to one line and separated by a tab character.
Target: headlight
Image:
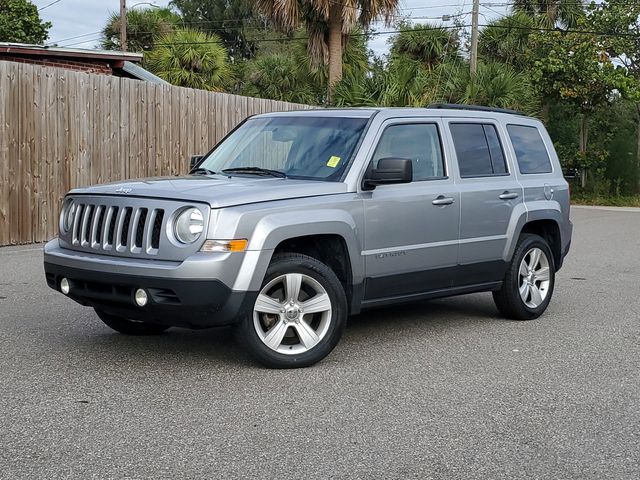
189	225
67	216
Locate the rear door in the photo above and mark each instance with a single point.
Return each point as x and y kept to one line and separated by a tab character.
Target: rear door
489	192
411	229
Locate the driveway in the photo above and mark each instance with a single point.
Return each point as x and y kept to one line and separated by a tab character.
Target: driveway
440	389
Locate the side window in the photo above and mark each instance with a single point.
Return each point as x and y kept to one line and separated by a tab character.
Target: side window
419	142
478	149
531	152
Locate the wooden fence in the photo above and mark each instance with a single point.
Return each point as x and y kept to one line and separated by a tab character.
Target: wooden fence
61	129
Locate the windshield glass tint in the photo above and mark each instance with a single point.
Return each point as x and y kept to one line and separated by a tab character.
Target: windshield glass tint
301	147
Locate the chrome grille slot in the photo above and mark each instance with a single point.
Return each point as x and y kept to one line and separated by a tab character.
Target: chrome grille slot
140	228
122	227
76	225
110	229
123	238
127	227
84	227
96	226
158	216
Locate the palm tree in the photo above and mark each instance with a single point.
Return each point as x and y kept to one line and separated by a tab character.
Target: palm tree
190	58
425	43
497	85
553	12
505	39
279	77
328	24
143	26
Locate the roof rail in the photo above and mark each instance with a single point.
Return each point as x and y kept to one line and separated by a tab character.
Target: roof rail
477	108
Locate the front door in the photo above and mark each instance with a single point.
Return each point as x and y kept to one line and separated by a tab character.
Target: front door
411	230
489	193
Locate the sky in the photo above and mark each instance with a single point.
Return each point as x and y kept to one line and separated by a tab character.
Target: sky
77	23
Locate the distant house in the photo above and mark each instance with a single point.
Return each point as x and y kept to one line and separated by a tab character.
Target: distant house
106	62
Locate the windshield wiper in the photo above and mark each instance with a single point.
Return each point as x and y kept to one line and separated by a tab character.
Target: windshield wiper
257	171
201	171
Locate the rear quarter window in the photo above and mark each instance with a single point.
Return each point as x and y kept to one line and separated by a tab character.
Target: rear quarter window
530	149
478	149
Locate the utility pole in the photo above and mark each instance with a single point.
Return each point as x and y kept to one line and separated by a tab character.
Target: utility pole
474	36
123	25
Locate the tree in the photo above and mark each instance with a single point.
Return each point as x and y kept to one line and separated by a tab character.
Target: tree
20	22
282	70
279	77
552	12
425	43
328	24
496	85
189	58
229	19
574	68
143	27
505	39
621	19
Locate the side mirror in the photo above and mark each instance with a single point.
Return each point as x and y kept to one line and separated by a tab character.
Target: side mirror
389	171
194	160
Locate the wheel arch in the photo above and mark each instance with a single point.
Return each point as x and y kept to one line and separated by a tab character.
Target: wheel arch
314	233
546	224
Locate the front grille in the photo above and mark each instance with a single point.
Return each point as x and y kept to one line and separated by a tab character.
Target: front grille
157	228
117	229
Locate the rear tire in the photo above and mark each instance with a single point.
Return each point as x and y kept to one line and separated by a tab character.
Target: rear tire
299	314
130	327
528	283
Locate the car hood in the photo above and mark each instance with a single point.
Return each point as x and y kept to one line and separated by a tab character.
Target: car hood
217	190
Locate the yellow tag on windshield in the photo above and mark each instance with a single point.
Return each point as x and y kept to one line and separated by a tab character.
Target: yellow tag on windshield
333	161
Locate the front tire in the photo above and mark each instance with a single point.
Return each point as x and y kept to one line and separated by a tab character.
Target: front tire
130	327
299	314
528	284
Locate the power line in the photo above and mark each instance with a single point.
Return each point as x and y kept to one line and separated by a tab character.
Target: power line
49	4
289	39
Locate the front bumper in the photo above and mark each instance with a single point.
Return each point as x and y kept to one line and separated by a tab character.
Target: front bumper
175	301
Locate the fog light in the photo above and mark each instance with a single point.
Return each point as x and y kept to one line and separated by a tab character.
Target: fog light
64	286
141	297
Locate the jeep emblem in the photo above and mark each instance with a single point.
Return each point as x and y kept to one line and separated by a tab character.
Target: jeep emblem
123	190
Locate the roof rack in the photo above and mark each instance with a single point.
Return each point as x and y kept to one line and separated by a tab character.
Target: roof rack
477	108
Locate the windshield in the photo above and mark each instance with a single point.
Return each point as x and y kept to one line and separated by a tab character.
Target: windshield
316	148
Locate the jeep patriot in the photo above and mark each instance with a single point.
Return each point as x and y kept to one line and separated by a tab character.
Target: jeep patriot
297	220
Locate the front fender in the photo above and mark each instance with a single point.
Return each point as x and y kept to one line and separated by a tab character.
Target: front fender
273	229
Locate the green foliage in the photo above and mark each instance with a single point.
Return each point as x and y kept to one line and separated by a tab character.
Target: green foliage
283	70
573	67
234	21
189	58
425	43
20	22
582	198
278	77
506	39
553	12
144	26
328	25
498	85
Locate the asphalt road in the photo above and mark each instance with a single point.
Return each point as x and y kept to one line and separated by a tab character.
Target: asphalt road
443	389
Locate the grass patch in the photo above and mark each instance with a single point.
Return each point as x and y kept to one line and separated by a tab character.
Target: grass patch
609	201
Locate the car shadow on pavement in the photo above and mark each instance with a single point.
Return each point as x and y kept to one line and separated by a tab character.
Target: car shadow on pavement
453	311
181	347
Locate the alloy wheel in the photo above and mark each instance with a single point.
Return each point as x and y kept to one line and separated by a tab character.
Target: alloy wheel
534	278
292	313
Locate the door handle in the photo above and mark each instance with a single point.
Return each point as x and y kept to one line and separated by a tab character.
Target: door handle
508	196
442	200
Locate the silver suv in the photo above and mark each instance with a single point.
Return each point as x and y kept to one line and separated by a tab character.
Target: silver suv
297	220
